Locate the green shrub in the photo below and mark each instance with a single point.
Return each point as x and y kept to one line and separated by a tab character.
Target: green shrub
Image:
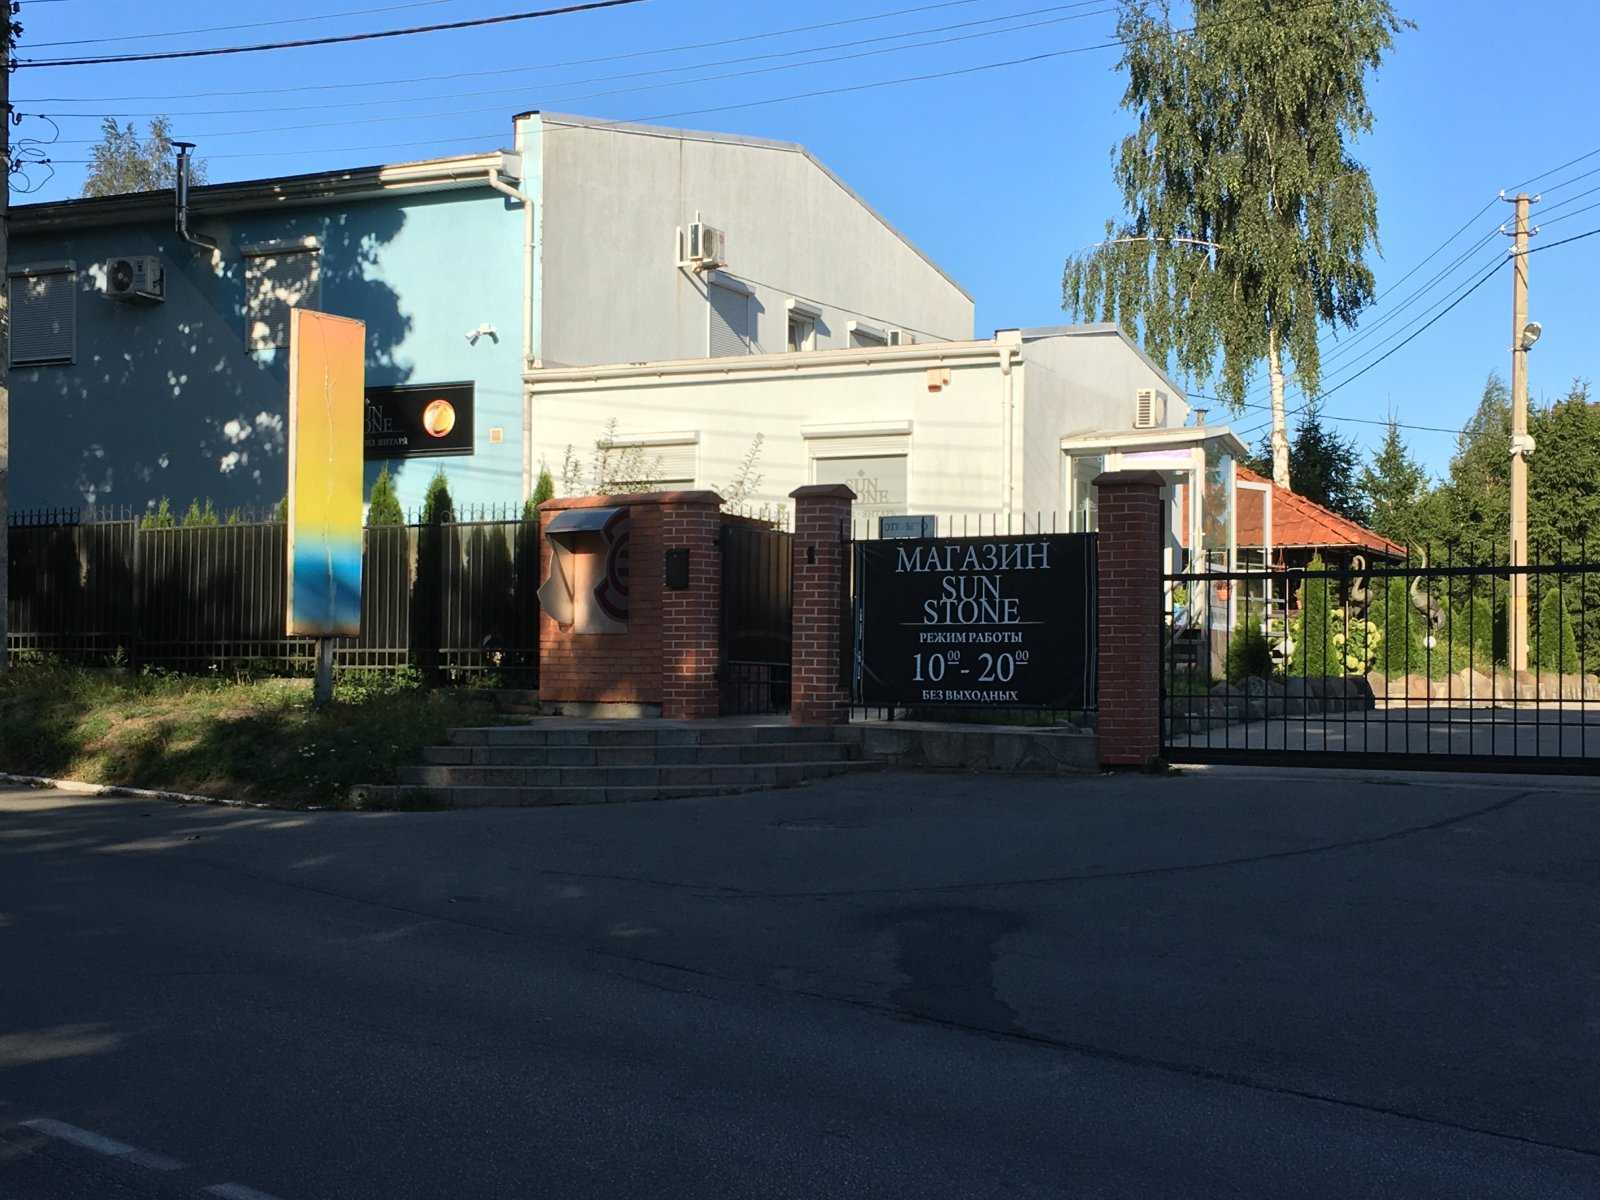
383	506
1249	652
1555	644
1312	631
437	507
198	514
159	517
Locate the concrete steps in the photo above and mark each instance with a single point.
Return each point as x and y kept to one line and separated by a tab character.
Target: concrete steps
529	765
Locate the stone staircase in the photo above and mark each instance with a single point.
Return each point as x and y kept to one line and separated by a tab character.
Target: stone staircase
525	765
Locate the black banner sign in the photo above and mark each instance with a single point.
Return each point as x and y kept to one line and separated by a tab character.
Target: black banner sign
418	420
998	621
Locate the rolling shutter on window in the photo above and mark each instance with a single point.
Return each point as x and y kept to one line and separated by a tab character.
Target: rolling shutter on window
675	465
43	317
730	321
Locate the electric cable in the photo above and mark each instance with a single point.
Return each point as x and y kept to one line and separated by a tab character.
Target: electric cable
564	99
140	37
576	62
332	40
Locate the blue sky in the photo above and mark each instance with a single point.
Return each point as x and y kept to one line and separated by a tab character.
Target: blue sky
998	174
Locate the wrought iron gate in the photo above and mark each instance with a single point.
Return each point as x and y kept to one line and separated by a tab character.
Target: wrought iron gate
756	613
1401	664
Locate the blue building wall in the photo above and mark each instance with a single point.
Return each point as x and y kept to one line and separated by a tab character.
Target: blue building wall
165	400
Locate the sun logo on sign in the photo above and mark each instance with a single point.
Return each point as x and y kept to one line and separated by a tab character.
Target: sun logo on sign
439	418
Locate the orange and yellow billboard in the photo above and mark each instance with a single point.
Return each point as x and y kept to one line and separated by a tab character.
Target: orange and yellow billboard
327	374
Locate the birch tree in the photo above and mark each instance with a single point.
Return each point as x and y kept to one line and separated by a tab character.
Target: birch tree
1247	219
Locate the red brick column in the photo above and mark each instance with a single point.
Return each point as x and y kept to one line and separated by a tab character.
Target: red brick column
691	618
1129	724
816	697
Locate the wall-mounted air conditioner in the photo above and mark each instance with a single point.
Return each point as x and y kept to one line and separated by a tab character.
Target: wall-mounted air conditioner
1149	409
708	247
136	277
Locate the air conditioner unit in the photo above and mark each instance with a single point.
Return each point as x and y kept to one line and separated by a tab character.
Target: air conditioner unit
136	277
899	337
1149	409
708	247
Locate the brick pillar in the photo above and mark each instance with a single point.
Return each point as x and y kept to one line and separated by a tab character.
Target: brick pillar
816	697
691	618
1129	724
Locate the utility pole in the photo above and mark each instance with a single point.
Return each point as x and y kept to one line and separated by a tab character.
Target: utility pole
1521	443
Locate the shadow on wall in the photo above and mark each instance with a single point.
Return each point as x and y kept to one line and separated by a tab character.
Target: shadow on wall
166	399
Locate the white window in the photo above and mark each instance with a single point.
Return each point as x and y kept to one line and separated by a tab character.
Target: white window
44	314
872	460
277	277
802	333
730	320
864	335
654	462
1082	499
803	320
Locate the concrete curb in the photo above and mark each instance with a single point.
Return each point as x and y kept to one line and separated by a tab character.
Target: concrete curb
79	788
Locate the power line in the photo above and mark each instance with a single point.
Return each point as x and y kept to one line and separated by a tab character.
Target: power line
1415	334
1568	216
576	62
1332	417
1571	162
140	37
301	43
1584	157
1574	179
416	116
1578	237
1571	198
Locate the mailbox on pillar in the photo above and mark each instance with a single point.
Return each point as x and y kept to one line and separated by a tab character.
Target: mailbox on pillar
587	589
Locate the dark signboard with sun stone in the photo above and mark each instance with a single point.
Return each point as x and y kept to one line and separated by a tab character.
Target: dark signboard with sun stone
978	622
419	420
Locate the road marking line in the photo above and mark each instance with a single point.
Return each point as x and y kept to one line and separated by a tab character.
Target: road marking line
102	1145
237	1191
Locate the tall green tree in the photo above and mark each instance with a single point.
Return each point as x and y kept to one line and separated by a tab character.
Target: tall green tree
1394	487
383	506
1325	466
1248	219
122	162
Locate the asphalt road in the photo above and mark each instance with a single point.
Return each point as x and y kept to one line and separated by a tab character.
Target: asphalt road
1222	984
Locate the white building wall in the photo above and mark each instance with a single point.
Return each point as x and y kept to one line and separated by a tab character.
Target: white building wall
838	404
614	197
952	438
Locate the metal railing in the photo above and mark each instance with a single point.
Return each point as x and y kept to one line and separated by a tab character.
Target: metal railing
455	598
1406	664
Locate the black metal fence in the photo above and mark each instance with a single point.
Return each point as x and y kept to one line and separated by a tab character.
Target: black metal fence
1405	664
456	598
757	606
860	530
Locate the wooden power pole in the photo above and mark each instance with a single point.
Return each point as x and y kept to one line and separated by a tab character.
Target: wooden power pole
1521	443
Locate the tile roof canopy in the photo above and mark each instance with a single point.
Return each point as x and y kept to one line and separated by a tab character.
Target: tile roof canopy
1298	522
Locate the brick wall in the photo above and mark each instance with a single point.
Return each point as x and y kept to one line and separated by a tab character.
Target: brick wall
816	696
618	667
1129	722
691	617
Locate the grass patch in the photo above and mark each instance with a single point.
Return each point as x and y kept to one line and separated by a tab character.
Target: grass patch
243	739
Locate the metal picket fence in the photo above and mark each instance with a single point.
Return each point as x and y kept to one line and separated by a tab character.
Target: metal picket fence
456	598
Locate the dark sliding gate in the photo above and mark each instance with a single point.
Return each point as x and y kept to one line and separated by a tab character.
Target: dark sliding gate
756	615
1400	664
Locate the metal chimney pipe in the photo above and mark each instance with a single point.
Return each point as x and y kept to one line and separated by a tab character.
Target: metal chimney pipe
181	193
